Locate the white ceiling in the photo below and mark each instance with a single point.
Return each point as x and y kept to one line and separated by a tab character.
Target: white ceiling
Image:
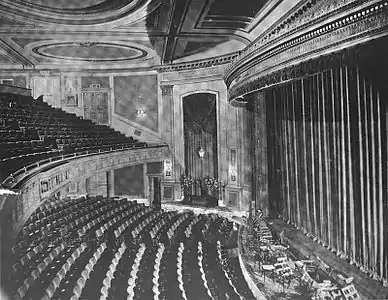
128	33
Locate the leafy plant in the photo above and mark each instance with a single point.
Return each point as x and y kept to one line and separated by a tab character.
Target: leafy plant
212	185
186	184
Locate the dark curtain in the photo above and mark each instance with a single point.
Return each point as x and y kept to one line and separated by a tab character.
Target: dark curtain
200	130
327	159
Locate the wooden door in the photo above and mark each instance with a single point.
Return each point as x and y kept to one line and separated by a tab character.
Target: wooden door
96	106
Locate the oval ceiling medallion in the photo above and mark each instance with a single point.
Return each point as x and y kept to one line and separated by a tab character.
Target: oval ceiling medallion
89	51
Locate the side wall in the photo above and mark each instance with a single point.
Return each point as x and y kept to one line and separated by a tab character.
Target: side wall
159	97
132	98
233	163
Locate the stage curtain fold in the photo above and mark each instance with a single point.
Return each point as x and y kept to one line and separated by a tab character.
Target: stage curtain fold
328	143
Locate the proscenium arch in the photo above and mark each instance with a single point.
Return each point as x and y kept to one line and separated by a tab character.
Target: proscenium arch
217	95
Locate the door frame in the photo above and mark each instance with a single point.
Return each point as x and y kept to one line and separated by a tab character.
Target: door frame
104	90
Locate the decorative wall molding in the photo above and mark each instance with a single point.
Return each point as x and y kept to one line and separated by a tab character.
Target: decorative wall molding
193	76
197	64
259	67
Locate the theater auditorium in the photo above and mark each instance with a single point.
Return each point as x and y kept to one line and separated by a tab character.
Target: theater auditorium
193	149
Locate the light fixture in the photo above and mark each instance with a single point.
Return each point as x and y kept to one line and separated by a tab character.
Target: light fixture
201	152
140	112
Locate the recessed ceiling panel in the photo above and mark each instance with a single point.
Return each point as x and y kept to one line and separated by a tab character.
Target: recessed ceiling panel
231	13
232	8
89	51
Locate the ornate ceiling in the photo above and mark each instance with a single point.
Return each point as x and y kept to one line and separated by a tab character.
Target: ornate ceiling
68	4
119	34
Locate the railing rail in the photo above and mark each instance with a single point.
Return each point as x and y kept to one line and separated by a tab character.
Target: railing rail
17	176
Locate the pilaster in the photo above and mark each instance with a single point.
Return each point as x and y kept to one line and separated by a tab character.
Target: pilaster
260	160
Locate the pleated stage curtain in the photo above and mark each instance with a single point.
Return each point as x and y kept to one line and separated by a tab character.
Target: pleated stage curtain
327	136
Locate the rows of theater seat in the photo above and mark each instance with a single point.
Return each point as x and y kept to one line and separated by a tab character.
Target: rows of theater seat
98	248
31	130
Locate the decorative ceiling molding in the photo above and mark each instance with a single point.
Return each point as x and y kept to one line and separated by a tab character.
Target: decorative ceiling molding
90	54
171	29
70	4
357	24
9	22
305	13
14	55
89	51
6	58
23	42
197	64
116	12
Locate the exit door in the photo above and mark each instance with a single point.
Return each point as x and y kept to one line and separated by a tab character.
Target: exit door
156	193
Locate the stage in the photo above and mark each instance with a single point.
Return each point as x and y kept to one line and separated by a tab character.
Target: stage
366	286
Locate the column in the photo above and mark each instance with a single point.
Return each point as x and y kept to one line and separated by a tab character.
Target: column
146	184
260	171
170	117
111	183
168	124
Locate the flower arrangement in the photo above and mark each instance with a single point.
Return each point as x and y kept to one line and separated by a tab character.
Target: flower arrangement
212	185
186	184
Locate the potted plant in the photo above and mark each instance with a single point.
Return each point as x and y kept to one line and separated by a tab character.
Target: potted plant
186	183
213	190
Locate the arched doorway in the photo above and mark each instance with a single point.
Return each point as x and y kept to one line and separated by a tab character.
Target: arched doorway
200	135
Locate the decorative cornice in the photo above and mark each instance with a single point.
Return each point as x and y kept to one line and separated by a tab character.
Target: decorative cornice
358	25
14	55
312	11
197	64
346	56
107	11
166	89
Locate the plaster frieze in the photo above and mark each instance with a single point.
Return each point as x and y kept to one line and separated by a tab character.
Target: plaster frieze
197	64
310	12
41	185
351	29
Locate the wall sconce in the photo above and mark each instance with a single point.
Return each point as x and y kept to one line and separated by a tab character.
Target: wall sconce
140	113
201	152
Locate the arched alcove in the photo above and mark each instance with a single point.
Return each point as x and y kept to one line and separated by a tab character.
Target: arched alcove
200	132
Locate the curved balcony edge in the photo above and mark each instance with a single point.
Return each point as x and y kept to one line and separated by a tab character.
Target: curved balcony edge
36	187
